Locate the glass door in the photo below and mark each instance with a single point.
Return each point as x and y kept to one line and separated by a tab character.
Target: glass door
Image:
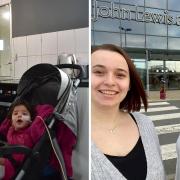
173	75
140	65
156	74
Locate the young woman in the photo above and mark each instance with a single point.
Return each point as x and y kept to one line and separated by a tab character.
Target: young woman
124	142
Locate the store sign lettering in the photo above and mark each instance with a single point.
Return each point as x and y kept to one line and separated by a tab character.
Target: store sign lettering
115	12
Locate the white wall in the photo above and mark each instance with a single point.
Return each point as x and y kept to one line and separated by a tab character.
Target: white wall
45	48
3	2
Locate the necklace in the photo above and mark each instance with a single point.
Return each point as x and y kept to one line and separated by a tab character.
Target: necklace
113	130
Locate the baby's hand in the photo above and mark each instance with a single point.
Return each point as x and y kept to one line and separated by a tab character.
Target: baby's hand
2	161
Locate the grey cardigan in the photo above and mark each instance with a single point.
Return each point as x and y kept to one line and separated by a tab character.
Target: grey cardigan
178	159
103	169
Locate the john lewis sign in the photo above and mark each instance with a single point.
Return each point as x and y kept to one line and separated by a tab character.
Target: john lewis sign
112	10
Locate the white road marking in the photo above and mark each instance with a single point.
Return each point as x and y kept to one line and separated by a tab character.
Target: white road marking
158	103
155	109
168	129
164	116
168	151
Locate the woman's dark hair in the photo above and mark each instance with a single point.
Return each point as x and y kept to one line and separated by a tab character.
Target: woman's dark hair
136	94
23	102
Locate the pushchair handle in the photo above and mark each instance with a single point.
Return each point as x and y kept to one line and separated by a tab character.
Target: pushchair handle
6	149
73	66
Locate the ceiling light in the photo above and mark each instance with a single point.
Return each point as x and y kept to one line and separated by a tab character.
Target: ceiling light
1	45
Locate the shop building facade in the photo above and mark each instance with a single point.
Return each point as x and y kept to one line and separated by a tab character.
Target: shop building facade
148	30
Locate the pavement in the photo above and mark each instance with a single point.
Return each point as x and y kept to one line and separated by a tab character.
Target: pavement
170	95
166	118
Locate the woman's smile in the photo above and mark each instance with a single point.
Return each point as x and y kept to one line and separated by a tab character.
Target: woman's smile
108	92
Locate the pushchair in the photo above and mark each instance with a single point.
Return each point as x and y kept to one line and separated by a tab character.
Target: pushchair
48	84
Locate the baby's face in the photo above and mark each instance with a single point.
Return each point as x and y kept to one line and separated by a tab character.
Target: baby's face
20	117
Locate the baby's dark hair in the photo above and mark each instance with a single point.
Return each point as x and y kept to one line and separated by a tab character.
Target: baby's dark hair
23	102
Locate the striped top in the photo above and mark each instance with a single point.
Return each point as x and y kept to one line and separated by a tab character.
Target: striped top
102	168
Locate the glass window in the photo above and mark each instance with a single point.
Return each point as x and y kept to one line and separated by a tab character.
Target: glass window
130	40
106	38
175	18
156	19
173	66
156	74
5	51
105	17
136	27
107	24
174	5
133	2
153	64
92	38
155	42
173	74
173	31
174	43
173	28
129	11
105	9
156	29
110	0
157	4
140	65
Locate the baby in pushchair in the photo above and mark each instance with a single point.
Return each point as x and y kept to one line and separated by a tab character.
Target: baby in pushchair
22	128
47	133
